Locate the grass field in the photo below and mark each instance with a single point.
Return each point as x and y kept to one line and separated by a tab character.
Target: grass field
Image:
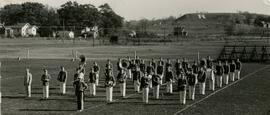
248	96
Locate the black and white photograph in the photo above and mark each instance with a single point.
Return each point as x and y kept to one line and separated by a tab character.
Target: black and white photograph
134	57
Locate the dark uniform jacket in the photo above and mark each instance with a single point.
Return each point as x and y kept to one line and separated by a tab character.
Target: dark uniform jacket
185	66
155	80
238	65
177	68
232	67
62	76
76	75
226	69
137	76
182	83
142	68
45	79
109	81
191	78
121	78
195	69
202	63
96	68
168	76
149	69
168	65
160	70
219	70
92	77
201	76
145	82
79	86
209	63
132	66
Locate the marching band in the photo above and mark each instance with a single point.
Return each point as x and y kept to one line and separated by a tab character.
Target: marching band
145	77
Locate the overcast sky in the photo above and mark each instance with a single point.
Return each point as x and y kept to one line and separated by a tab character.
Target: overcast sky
138	9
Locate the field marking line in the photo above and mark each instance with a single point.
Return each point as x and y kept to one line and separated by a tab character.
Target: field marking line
99	105
12	77
190	105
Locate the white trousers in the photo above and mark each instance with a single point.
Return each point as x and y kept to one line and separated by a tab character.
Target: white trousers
129	73
232	75
211	78
191	92
92	89
202	88
150	84
161	77
109	94
136	86
225	79
123	89
237	74
97	79
46	91
156	92
169	87
62	87
183	97
145	94
219	80
28	90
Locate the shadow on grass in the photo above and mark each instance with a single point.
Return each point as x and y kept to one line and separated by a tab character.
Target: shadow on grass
47	109
13	96
128	102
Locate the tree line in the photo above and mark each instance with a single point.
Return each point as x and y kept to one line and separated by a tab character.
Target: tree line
70	16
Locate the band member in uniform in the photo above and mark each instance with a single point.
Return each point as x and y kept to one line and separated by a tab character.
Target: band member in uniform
28	82
177	67
192	80
137	60
195	68
109	65
129	68
96	72
62	78
92	82
182	83
232	71
225	77
156	84
169	80
168	64
145	84
137	78
153	64
238	69
149	70
202	80
219	74
185	65
80	87
203	63
160	71
76	75
121	78
132	67
210	73
142	66
109	83
45	78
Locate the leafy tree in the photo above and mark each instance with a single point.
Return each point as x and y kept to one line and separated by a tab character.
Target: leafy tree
109	19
